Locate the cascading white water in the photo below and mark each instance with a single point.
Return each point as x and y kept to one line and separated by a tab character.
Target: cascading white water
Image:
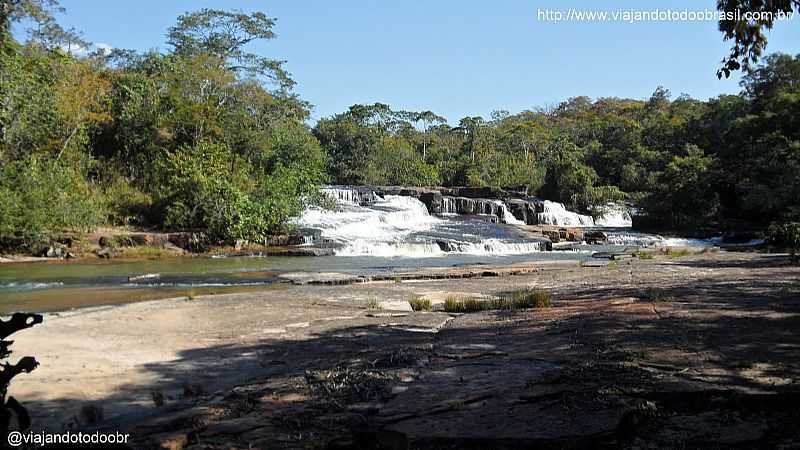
397	217
555	213
401	226
343	194
507	217
614	216
449	205
496	247
361	247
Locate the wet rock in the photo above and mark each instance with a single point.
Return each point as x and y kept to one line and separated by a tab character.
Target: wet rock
54	251
476	192
595	237
106	253
300	251
471	206
191	241
521	209
433	201
281	240
361	195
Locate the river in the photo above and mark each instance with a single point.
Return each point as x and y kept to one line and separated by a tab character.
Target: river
393	232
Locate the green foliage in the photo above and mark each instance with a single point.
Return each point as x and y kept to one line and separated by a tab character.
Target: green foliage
187	139
125	204
420	304
198	192
684	195
749	36
518	299
786	235
225	34
529	298
454	304
38	197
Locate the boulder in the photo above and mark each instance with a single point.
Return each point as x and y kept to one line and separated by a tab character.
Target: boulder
190	241
433	201
521	209
54	251
595	237
105	253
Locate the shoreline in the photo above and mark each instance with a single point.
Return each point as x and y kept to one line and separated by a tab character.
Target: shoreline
115	357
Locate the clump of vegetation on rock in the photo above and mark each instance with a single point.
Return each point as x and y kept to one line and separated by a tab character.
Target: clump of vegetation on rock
420	304
530	298
518	299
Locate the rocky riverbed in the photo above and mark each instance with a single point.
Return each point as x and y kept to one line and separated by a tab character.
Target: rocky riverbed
691	351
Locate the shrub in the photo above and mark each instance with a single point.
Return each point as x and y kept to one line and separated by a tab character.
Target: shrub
125	204
786	235
531	298
519	299
40	197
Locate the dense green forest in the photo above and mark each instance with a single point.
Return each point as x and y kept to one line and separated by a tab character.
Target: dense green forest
208	136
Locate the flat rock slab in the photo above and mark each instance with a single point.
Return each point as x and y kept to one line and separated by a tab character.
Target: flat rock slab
596	263
321	278
396	305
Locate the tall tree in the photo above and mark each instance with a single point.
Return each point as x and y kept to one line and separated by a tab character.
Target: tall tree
428	119
226	34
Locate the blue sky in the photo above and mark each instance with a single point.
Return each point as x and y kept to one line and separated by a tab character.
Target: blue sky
456	58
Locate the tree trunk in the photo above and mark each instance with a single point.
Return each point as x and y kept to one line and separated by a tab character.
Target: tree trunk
69	138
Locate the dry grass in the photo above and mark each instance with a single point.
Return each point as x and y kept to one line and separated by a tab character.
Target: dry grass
519	299
373	303
420	304
676	252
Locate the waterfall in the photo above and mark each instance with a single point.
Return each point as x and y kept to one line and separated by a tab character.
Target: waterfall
397	217
361	247
506	216
554	213
449	205
493	247
615	216
401	226
488	247
350	195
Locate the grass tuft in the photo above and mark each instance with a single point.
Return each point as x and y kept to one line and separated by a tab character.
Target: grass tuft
531	298
373	303
420	304
519	299
675	252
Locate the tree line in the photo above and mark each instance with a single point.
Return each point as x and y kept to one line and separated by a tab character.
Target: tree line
209	136
682	162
